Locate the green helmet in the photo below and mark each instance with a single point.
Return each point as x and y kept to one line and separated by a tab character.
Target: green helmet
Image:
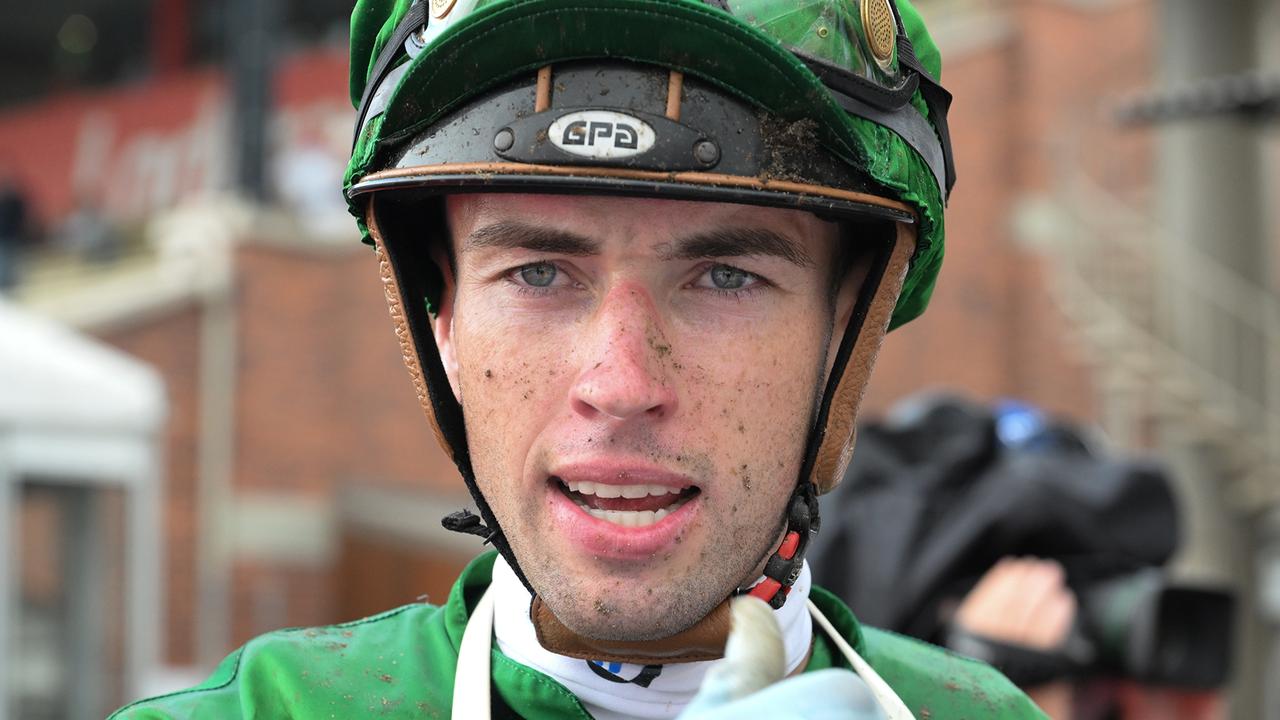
864	70
830	106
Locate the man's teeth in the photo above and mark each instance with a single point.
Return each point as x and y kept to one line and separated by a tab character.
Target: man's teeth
603	490
628	518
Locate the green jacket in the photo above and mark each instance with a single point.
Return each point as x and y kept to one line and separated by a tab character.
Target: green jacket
400	664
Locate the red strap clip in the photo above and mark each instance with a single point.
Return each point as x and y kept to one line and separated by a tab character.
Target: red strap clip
767	589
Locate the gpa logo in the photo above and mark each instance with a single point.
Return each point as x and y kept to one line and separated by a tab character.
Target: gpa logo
601	134
581	132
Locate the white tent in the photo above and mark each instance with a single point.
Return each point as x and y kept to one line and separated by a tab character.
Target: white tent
75	411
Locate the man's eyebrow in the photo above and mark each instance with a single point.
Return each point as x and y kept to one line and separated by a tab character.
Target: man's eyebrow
522	236
737	242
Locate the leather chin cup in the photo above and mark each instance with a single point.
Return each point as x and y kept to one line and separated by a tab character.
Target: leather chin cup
704	641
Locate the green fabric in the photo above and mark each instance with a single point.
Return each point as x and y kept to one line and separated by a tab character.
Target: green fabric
501	39
827	29
401	664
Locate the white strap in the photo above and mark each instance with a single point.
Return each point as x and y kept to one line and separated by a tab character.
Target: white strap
471	681
894	708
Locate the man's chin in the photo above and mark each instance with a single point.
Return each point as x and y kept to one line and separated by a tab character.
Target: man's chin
630	618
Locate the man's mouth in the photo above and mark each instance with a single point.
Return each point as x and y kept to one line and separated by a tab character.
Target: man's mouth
635	505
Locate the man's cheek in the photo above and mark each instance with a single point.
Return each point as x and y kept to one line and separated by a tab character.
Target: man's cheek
512	394
511	358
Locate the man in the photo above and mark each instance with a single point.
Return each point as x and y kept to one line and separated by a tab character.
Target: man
640	255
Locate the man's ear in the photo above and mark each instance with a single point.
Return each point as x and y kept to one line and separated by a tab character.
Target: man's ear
442	322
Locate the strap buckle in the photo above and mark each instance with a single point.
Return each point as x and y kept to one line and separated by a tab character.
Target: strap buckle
785	564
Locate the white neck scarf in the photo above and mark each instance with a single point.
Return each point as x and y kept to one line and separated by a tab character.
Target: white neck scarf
667	694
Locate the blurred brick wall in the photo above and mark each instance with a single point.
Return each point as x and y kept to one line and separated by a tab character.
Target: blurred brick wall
383	572
323	394
321	399
171	344
1039	91
962	340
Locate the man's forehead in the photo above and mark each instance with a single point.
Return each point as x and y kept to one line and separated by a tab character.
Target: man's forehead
600	216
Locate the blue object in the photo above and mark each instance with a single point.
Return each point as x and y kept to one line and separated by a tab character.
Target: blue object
1018	423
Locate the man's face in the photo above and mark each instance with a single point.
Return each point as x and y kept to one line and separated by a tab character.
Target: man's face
638	378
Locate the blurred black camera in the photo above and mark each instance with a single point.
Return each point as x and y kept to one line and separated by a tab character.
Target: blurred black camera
1160	632
1139	626
943	489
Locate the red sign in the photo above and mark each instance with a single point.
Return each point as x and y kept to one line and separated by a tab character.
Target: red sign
140	149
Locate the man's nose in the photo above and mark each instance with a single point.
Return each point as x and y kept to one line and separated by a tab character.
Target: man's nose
626	368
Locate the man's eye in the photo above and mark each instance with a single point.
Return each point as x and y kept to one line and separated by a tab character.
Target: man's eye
538	274
725	277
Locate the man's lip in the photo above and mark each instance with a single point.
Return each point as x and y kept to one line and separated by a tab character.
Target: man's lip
620	471
607	541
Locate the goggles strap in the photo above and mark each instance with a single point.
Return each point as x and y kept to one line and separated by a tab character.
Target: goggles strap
912	127
842	82
936	98
414	20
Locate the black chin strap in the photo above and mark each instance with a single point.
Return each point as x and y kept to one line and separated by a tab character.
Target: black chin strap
783	566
